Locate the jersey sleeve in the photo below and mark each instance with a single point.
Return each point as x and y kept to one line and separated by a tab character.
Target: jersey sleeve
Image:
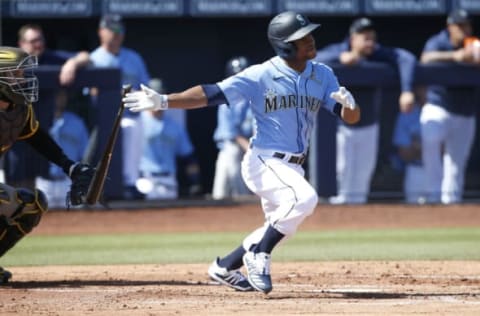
433	44
31	125
239	87
332	86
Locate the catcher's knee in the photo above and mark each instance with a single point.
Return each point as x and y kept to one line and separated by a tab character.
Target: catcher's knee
31	206
20	211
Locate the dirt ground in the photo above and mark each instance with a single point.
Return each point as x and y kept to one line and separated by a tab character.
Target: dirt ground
300	288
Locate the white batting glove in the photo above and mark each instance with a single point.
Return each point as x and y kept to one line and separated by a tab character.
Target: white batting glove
344	97
145	99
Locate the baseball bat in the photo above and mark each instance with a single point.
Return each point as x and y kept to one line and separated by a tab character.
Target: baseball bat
96	185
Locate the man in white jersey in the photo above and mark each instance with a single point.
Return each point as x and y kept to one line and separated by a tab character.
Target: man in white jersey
285	94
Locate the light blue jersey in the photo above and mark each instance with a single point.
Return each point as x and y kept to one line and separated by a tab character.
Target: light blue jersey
71	134
284	103
233	121
133	68
407	130
164	140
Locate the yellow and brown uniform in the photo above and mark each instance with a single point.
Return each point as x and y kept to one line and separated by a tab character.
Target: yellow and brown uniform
18	122
22	209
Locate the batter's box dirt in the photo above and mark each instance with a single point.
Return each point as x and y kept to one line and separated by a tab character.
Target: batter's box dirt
370	288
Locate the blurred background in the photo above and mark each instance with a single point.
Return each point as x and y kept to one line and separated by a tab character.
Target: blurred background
187	42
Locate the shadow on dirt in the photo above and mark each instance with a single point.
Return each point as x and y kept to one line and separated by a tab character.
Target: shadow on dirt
367	295
100	283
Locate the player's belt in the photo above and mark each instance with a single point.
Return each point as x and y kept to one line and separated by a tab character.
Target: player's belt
293	159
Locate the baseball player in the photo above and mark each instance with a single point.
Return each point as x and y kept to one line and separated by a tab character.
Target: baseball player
448	118
407	140
21	209
235	125
112	53
357	145
164	140
285	94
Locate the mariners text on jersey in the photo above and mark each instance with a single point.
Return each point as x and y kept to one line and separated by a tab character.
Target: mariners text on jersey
274	102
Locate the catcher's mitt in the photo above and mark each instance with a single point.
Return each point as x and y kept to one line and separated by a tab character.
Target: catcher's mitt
81	175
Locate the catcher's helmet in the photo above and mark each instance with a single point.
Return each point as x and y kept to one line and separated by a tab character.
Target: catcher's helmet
285	28
18	84
235	65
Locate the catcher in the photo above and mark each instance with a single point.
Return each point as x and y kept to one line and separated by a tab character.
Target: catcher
21	209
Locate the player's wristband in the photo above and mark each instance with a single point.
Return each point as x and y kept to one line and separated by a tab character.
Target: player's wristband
337	109
163	102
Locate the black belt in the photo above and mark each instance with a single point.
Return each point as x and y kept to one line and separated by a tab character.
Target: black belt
293	159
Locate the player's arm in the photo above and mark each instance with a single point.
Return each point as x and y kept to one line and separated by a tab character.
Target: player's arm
443	56
193	98
70	67
43	143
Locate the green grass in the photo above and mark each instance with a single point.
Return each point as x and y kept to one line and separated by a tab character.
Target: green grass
412	244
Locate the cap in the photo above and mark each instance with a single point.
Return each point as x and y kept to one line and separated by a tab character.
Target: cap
361	24
459	16
113	22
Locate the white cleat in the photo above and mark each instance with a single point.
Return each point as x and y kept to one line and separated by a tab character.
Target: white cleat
258	270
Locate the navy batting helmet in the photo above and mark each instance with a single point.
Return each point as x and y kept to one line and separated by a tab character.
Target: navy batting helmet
235	65
285	28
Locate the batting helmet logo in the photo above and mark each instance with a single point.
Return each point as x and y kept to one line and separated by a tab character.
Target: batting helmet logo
301	20
286	28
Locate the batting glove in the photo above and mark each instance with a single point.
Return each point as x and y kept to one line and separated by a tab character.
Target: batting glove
344	97
145	99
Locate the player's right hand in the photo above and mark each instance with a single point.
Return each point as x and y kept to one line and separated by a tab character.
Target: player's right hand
145	99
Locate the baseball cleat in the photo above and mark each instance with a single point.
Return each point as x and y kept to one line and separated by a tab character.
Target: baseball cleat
234	279
258	270
4	276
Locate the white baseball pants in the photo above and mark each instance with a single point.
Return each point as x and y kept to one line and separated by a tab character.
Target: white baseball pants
415	184
357	150
287	198
446	143
132	134
228	180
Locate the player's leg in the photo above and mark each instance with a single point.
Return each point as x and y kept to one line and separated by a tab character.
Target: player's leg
343	146
132	131
414	184
433	121
363	161
20	211
283	186
227	169
458	145
239	187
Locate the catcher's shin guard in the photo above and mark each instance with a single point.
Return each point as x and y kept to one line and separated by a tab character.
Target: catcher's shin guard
20	211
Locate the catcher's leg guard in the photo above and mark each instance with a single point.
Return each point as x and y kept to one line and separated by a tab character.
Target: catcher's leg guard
20	211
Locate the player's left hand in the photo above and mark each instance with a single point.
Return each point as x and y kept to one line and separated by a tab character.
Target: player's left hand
145	99
81	175
344	97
